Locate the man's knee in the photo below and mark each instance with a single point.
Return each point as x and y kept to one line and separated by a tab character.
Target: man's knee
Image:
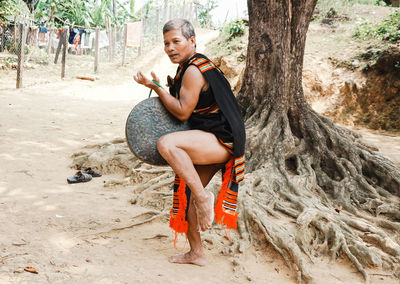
165	144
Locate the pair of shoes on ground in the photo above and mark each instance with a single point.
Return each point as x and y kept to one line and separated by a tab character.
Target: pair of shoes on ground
84	176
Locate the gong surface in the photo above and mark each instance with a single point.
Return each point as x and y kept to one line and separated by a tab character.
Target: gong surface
147	122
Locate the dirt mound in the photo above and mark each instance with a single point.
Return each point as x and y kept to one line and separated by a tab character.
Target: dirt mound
350	97
374	103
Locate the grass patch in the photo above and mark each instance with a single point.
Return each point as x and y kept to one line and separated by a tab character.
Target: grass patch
387	30
232	38
330	11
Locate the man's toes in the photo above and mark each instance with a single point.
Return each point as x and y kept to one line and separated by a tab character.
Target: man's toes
205	227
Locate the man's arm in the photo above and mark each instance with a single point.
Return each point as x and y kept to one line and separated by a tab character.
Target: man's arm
192	84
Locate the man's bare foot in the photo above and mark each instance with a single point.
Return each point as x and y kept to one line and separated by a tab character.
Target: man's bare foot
205	211
188	258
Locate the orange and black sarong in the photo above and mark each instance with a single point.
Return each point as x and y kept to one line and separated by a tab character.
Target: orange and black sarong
225	207
217	112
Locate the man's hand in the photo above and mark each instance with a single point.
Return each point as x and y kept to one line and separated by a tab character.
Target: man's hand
143	80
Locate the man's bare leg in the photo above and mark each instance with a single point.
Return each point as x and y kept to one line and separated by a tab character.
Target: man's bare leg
184	149
196	254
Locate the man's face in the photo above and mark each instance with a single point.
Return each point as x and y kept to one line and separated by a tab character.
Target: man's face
177	47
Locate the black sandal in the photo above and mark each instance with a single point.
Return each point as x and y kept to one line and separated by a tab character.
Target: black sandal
79	177
93	173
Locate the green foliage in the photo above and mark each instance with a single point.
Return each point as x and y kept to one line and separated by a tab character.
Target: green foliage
204	13
132	7
365	30
99	12
388	30
11	8
236	28
226	44
85	13
382	3
123	14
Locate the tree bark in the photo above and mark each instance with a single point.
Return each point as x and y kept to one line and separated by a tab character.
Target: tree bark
334	191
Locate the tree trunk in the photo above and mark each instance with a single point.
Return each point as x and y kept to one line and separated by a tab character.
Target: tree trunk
303	169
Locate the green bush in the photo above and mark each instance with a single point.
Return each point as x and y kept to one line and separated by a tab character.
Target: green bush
236	28
388	30
232	38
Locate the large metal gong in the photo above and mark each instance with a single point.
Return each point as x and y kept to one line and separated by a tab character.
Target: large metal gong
147	122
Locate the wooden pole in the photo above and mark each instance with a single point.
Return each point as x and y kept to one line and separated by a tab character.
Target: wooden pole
114	52
108	28
165	13
111	41
53	8
158	25
64	52
36	36
196	14
15	32
96	52
3	38
50	41
141	44
60	44
21	49
169	13
114	29
125	40
190	12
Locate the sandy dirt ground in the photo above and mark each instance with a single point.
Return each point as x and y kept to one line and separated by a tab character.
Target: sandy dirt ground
66	231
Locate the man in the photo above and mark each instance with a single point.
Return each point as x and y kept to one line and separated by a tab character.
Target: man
200	94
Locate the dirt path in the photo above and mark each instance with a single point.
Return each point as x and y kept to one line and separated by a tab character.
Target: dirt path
57	228
64	231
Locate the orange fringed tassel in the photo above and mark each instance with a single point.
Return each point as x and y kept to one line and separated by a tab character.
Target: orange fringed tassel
222	216
178	222
230	220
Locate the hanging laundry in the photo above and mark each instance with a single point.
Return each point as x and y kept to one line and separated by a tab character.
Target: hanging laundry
75	37
43	38
133	34
59	32
54	40
72	34
103	39
86	39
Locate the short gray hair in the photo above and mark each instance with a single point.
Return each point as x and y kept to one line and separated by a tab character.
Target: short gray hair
185	26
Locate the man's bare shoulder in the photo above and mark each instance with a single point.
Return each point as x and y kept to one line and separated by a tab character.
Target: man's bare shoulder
193	71
194	76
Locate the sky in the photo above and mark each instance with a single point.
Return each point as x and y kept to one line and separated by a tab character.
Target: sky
227	9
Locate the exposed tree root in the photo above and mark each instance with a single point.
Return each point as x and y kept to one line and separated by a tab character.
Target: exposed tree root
312	188
150	216
158	236
307	187
156	215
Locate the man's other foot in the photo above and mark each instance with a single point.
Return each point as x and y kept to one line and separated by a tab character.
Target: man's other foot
188	258
205	211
